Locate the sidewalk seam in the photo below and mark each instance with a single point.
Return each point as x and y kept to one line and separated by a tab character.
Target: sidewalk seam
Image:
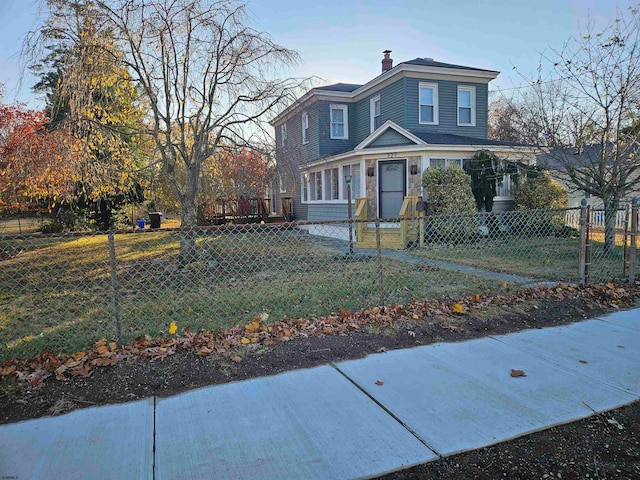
387	411
153	463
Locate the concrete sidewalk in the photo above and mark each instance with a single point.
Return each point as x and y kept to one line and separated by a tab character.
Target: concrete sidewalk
355	419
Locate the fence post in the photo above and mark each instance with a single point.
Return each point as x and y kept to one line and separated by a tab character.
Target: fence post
625	238
634	239
114	285
582	248
379	259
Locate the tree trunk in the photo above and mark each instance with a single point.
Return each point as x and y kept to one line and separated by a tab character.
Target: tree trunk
188	252
610	213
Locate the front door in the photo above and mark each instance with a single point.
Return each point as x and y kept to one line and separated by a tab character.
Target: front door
392	182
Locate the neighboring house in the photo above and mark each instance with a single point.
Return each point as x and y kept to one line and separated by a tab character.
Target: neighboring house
583	161
384	135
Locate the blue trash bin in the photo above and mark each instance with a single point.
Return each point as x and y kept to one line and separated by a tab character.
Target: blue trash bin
141	223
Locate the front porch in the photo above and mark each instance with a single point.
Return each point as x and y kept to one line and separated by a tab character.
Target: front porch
392	234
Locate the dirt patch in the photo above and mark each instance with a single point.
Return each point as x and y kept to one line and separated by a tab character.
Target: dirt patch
605	446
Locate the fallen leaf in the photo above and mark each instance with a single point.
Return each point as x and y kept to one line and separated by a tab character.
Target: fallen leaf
415	317
582	361
204	351
101	350
245	340
458	308
173	328
236	359
453	328
8	370
379	383
79	355
518	373
83	370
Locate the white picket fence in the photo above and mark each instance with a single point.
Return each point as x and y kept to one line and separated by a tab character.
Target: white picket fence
597	218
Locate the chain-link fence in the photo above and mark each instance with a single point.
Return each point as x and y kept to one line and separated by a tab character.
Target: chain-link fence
63	292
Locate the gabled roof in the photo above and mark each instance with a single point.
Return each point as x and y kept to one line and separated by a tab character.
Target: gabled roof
348	92
418	137
339	87
377	133
430	62
437	138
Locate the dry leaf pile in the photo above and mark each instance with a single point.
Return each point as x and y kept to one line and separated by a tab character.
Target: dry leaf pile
229	343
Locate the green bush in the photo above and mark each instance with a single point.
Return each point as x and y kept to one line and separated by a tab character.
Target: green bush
547	199
449	192
541	192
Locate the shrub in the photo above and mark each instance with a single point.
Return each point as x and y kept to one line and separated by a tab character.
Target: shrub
449	192
541	192
543	195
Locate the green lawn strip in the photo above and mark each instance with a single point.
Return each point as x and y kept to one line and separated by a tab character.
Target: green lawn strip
70	309
543	258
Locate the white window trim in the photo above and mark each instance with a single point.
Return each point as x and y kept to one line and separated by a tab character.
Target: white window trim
282	184
372	104
472	89
345	110
304	182
341	184
436	102
305	120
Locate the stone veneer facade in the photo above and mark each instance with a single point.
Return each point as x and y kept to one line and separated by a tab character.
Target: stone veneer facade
414	183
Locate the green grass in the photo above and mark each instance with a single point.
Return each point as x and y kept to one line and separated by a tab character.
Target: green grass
57	293
542	258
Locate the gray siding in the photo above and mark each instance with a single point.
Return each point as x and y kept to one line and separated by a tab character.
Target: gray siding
390	138
327	211
329	146
391	108
448	107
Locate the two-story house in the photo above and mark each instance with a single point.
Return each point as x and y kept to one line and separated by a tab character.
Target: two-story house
383	135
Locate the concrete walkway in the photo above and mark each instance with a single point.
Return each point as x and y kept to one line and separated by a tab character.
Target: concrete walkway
341	246
355	419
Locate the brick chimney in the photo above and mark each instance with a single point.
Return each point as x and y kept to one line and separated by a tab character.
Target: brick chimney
387	61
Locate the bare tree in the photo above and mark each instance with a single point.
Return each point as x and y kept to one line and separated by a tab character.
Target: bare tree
207	77
586	115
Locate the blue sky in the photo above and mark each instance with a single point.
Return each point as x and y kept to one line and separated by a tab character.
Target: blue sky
342	41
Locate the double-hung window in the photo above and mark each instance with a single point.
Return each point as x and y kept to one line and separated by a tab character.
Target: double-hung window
283	133
339	122
375	112
353	172
315	186
466	106
428	99
331	182
304	181
305	128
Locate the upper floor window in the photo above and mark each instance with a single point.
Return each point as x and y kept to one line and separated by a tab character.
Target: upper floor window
305	128
339	122
375	112
466	105
428	97
283	133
